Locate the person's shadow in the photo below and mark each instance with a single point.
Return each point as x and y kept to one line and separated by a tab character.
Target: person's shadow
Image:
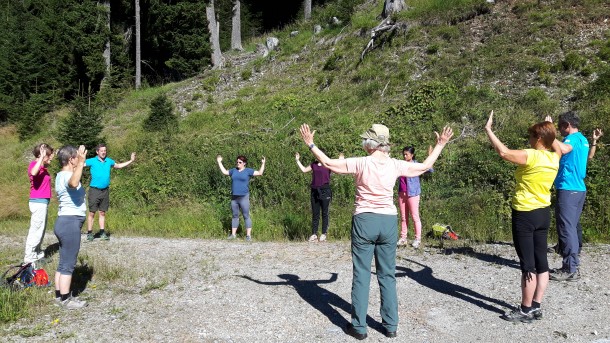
51	249
319	298
495	259
425	278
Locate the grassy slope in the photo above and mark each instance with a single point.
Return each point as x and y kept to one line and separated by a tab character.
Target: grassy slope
445	64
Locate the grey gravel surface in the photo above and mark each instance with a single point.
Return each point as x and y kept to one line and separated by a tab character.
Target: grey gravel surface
189	290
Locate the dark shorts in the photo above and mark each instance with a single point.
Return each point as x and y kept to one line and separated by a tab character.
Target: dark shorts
98	199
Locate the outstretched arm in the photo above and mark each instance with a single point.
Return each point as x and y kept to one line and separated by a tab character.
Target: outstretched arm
260	171
338	166
597	134
514	156
563	147
125	164
222	168
304	169
416	169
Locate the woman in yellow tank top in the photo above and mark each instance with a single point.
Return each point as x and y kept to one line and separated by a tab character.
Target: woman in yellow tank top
531	216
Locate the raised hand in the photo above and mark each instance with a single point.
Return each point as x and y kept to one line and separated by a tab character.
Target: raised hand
307	134
445	135
297	156
597	134
133	156
81	153
548	118
489	121
219	158
263	160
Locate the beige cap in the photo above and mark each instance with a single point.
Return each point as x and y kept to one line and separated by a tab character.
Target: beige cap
379	133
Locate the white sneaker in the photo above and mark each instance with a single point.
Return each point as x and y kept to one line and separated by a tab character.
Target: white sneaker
402	241
73	304
313	238
322	238
415	243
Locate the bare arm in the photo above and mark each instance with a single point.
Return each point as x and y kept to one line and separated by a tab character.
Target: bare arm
81	155
416	169
338	166
563	147
222	168
304	169
260	171
514	156
125	164
36	167
597	134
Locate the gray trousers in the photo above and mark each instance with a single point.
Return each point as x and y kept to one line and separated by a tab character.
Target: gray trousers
567	214
67	230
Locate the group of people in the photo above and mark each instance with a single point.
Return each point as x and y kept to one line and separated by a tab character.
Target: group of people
72	209
546	163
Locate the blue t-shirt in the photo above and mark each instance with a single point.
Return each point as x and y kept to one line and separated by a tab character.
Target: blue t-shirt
100	171
573	165
71	200
240	180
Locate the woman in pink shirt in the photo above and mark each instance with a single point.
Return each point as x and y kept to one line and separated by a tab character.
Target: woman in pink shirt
40	195
374	223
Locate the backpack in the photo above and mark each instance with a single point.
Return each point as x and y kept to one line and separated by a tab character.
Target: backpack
444	232
24	275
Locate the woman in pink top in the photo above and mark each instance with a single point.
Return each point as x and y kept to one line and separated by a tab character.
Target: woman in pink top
40	195
374	223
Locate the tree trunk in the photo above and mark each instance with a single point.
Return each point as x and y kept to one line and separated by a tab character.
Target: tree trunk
138	51
307	9
214	28
392	6
236	27
106	55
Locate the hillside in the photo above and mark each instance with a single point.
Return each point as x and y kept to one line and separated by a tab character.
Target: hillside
445	63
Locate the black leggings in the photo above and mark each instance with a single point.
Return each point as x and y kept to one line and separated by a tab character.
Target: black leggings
320	199
530	231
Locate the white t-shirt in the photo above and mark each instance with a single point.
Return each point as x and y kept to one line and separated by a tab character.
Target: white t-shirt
71	200
375	180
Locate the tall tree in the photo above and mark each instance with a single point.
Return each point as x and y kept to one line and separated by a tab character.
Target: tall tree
307	9
138	50
236	27
106	5
214	28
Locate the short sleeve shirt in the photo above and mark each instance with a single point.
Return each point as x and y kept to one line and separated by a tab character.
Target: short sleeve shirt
40	184
534	180
100	171
375	180
573	165
240	180
71	200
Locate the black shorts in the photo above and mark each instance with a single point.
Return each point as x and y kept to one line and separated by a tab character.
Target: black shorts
98	199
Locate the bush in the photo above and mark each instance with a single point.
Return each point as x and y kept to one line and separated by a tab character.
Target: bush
82	126
161	115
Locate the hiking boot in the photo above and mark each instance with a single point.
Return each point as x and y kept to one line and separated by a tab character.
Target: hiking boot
90	236
537	312
416	243
248	238
322	237
402	241
517	315
73	304
104	236
562	275
313	238
231	237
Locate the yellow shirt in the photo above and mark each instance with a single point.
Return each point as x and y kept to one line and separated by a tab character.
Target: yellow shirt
534	180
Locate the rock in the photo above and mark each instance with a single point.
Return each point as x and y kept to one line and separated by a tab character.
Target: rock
272	43
336	21
294	33
317	29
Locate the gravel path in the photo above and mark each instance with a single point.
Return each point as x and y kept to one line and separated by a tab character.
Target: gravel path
187	290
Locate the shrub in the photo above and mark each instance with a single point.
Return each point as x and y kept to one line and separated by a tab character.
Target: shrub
161	115
83	125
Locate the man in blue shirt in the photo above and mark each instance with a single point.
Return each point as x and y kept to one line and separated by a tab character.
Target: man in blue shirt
571	192
99	192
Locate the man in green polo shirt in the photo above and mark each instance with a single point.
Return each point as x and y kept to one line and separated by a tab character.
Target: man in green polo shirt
99	191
